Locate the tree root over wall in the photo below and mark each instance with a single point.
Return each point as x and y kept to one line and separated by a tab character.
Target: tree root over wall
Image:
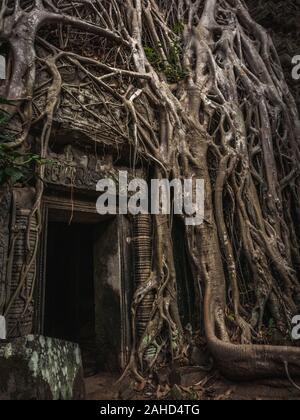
225	115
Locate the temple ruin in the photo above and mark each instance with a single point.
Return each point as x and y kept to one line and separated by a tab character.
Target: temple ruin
160	89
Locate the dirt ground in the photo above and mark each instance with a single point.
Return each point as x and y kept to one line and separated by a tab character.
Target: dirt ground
103	387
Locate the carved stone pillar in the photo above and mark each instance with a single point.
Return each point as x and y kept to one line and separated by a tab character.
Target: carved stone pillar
21	274
5	206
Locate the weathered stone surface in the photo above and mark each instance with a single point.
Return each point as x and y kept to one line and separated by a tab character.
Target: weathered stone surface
39	368
2	328
2	68
198	357
5	205
162	376
187	376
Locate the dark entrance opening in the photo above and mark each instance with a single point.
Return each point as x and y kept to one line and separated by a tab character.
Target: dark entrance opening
70	295
185	282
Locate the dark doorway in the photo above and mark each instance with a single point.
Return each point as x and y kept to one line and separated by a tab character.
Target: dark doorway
185	282
70	295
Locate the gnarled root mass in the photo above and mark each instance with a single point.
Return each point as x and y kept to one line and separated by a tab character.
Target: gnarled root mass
225	115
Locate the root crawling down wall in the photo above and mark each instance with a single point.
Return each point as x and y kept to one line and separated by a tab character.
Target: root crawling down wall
192	89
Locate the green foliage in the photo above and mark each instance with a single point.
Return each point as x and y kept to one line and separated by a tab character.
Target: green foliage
172	69
152	56
5	101
15	166
178	28
18	167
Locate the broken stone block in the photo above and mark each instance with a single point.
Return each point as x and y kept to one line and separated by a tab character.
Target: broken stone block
198	357
162	376
187	376
40	368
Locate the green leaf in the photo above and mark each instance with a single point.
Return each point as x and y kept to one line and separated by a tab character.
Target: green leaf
3	119
14	174
6	101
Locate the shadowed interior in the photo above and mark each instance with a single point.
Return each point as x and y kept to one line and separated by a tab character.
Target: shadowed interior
70	296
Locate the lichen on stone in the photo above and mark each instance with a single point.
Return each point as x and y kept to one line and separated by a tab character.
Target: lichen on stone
51	362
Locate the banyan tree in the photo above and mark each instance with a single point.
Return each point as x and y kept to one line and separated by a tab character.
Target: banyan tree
168	89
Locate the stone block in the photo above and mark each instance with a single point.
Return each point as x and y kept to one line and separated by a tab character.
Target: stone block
40	368
187	376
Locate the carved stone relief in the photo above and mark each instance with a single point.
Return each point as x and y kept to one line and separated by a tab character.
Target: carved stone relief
5	205
21	273
75	168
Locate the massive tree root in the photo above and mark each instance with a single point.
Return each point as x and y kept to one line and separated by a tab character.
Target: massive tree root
225	115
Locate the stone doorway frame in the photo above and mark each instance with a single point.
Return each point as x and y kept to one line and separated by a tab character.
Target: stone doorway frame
84	211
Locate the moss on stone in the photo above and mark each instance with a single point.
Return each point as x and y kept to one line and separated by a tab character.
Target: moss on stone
49	366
